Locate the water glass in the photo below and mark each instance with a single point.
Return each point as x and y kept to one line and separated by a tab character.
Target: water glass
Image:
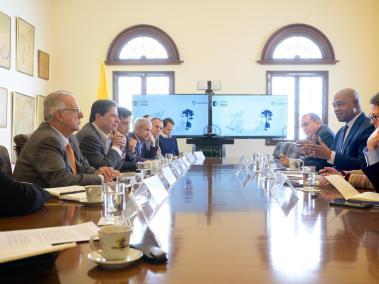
114	200
309	174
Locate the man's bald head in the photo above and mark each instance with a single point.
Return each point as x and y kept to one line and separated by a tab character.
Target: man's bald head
346	104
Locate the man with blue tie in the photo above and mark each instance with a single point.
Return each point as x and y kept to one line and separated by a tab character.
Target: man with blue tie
350	141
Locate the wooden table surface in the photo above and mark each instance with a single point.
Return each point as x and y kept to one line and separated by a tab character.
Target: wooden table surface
216	231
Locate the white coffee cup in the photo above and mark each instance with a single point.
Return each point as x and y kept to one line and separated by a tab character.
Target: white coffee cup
94	193
295	164
114	241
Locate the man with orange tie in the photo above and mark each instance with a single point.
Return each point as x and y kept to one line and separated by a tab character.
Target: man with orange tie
51	157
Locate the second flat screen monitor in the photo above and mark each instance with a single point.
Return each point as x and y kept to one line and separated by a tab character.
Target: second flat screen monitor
249	115
189	112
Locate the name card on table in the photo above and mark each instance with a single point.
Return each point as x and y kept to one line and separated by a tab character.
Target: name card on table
184	163
156	188
199	155
190	157
169	175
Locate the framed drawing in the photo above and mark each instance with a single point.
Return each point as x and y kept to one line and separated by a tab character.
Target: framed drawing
43	65
3	107
23	116
5	41
24	47
40	101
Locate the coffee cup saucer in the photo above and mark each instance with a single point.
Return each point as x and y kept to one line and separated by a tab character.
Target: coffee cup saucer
133	255
85	202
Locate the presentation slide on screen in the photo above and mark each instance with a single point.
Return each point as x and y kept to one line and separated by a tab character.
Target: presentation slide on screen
189	112
249	115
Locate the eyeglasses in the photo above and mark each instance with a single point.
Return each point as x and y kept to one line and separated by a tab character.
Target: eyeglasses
74	110
373	117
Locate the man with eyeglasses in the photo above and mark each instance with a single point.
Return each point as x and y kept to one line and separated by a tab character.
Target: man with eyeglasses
372	150
347	150
313	129
51	157
99	140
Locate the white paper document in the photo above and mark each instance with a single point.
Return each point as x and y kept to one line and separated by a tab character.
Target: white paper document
10	254
51	235
349	192
169	175
156	188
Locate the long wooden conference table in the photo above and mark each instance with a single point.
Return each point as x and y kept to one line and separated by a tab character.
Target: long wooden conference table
215	230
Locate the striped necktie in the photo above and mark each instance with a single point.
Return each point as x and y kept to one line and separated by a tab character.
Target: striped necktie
71	156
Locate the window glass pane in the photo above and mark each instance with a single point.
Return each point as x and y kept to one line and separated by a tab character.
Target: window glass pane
286	86
310	97
297	47
127	87
157	85
146	47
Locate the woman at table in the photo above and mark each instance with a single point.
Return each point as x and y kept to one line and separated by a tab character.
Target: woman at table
18	198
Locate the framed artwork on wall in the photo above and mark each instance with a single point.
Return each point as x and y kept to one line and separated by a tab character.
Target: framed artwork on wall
23	116
43	65
3	107
5	41
39	113
24	47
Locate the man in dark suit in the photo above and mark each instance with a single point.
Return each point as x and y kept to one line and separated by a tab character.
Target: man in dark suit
372	150
346	152
313	129
19	198
142	134
123	127
100	141
51	157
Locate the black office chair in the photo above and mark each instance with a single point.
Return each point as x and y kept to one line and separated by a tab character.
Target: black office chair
5	162
20	141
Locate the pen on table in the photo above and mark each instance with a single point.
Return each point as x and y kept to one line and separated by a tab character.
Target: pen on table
71	192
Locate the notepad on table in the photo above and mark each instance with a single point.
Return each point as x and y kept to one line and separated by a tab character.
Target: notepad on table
71	193
349	192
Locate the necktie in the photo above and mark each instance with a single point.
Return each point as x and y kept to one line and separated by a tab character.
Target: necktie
71	156
344	137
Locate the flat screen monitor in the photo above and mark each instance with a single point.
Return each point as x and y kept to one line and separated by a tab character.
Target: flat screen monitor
189	112
249	116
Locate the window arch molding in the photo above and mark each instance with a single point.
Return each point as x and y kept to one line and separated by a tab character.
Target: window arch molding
302	30
113	55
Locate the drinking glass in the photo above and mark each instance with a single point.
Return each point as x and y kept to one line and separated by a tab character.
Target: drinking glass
114	201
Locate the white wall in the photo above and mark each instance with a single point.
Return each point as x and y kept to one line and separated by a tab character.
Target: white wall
218	40
38	13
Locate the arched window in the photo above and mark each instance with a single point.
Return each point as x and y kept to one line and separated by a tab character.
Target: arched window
143	44
298	44
307	91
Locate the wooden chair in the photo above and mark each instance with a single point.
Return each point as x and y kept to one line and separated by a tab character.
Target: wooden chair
5	163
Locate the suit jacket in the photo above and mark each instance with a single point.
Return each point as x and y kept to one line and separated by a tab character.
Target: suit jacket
327	135
44	161
143	151
90	145
349	155
18	198
372	172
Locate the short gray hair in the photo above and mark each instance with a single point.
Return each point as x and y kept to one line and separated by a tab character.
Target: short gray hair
313	116
53	102
141	122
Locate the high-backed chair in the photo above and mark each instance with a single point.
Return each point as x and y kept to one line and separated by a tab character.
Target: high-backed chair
20	141
5	163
